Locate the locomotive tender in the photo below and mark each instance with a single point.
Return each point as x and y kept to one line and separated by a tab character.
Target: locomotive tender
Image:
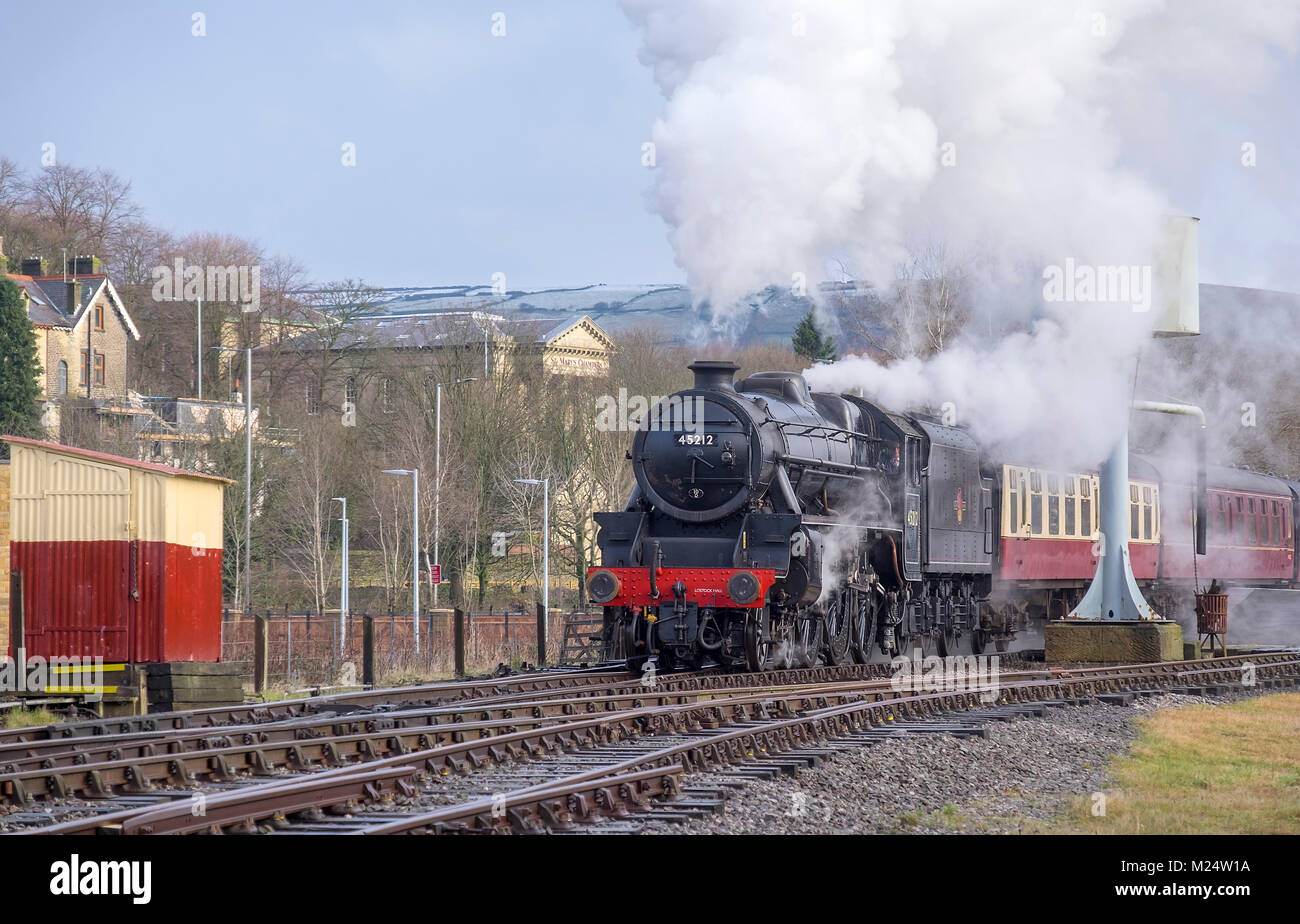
772	526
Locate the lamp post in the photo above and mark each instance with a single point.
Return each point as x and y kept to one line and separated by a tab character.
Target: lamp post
437	472
343	580
546	553
199	353
248	468
415	547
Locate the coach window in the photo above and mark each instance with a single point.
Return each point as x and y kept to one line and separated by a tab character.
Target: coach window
1085	507
1252	523
1275	526
1036	503
1013	502
1148	514
1071	523
1054	505
1134	512
1218	521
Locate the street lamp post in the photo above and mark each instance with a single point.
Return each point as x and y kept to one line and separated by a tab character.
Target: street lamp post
415	547
248	468
437	472
343	580
546	557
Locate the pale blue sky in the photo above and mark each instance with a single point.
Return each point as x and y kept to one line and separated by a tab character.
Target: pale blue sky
475	154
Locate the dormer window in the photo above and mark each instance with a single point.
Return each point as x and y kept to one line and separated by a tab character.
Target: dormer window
99	317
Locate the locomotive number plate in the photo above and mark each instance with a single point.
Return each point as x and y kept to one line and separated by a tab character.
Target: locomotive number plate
695	439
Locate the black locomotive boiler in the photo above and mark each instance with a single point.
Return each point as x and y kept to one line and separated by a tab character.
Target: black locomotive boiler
772	526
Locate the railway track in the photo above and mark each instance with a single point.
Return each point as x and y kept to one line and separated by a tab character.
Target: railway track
516	757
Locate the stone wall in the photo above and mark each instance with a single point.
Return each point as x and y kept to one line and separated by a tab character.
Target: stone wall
113	341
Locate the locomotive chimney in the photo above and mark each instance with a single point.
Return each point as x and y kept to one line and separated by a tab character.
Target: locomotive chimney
714	374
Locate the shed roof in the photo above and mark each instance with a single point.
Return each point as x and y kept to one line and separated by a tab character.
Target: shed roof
114	460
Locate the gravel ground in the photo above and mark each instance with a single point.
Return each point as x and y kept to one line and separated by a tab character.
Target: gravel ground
1018	778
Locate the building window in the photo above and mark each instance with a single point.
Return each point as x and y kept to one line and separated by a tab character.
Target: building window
85	366
99	368
350	390
313	400
99	317
386	395
61	382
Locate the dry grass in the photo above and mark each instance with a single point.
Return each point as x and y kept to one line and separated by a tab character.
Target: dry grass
23	718
1231	769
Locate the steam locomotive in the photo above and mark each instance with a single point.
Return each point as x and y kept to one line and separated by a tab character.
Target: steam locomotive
772	526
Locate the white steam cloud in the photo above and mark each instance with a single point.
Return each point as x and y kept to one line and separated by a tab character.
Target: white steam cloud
796	137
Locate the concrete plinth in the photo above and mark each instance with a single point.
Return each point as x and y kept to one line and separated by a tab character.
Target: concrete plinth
1113	642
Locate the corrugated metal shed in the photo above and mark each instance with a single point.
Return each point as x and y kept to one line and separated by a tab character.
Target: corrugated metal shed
119	558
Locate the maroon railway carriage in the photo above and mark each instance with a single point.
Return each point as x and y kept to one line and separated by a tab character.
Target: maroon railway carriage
1050	521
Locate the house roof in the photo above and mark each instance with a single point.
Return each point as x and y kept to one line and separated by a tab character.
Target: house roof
113	460
50	307
422	332
40	307
58	292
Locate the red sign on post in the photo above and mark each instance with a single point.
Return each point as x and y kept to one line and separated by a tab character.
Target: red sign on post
435	574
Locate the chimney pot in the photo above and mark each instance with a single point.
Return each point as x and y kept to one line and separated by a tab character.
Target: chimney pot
714	374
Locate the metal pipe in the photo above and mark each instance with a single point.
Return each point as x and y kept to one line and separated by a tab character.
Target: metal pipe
343	579
1202	487
248	476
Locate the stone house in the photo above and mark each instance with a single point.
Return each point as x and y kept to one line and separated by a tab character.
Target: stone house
83	331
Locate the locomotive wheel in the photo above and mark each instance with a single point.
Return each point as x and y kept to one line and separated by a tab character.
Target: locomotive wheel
861	634
838	632
758	653
807	641
632	653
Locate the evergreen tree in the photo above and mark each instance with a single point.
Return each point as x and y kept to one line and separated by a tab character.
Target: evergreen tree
20	373
809	341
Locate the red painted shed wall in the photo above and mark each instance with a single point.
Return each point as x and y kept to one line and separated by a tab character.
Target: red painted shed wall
129	601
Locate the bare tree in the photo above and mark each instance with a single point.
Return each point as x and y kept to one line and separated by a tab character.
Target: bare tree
82	208
309	481
919	314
